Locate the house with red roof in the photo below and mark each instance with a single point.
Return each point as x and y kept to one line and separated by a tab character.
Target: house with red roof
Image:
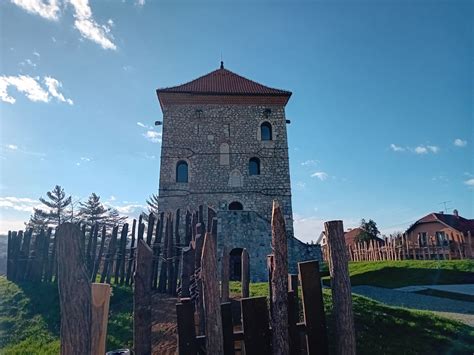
442	229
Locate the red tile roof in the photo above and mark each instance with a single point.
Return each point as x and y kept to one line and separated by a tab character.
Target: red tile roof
224	82
459	223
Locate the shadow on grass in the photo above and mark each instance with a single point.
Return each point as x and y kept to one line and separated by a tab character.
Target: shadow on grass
393	277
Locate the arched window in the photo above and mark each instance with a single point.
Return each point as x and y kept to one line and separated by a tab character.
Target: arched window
254	166
182	171
266	131
235	206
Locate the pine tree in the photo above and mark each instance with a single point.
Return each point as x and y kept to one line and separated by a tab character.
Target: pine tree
93	211
57	203
152	203
37	221
114	218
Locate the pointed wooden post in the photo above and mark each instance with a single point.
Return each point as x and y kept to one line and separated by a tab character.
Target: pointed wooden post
131	255
210	286
225	275
341	289
245	271
97	261
100	316
142	300
279	319
74	291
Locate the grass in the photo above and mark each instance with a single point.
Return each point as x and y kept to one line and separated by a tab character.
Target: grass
29	314
394	274
381	329
29	318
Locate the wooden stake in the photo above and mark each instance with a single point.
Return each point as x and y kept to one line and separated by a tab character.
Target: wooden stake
142	300
100	316
341	289
74	292
245	271
279	320
210	286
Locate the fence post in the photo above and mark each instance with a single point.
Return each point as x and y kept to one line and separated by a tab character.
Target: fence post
120	262
257	336
279	300
245	271
186	330
142	300
313	308
130	257
74	291
210	288
225	275
99	255
100	316
227	328
341	289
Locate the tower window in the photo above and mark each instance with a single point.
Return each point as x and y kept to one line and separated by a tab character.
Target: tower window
182	171
266	131
254	166
235	206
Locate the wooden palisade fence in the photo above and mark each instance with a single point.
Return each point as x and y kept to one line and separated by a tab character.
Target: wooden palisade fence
159	255
406	247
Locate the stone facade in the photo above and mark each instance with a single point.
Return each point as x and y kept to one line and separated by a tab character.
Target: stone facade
217	134
217	142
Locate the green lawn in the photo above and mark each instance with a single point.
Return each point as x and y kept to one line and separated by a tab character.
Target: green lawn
394	274
29	323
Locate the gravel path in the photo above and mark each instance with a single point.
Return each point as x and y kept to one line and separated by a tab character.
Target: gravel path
459	310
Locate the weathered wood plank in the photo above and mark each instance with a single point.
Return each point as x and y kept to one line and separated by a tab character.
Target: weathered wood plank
227	328
279	316
257	336
98	260
131	255
313	308
225	274
74	292
99	317
211	297
142	300
186	331
341	289
245	277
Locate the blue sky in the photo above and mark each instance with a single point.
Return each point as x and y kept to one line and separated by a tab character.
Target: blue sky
381	112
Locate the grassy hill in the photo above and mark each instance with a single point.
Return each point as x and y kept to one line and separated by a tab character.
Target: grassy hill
29	323
394	274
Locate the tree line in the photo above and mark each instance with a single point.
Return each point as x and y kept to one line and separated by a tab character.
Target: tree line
59	208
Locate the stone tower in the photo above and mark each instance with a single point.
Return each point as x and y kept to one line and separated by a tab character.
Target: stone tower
224	145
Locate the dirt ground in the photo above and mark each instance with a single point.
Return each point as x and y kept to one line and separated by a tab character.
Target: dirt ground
164	332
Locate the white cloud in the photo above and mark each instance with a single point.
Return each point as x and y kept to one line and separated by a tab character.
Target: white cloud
31	88
310	162
89	28
48	9
29	62
396	148
458	142
12	147
140	2
142	125
469	182
21	204
421	150
36	54
308	229
84	21
112	198
53	85
321	175
300	185
433	148
85	159
25	84
153	136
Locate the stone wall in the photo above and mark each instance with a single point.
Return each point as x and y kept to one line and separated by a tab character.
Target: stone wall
246	229
217	142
